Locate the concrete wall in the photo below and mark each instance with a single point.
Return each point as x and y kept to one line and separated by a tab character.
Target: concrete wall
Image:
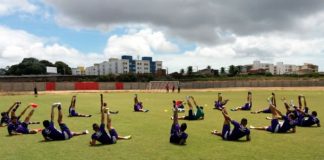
41	86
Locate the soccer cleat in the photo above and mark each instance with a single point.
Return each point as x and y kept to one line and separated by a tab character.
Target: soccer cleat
85	132
252	127
146	110
128	137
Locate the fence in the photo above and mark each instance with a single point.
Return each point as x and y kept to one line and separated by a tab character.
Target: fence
60	86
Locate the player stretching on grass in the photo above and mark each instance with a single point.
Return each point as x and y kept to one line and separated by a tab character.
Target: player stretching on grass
50	133
199	115
272	98
220	104
247	106
104	104
101	134
17	128
138	106
240	130
72	112
288	125
178	135
5	118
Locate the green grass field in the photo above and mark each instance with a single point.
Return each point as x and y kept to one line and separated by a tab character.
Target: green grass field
150	130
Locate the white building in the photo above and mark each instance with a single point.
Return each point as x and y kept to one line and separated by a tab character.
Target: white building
92	70
142	66
158	65
281	68
78	71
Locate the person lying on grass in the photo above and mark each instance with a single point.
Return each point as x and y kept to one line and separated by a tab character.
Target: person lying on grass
247	106
272	99
16	127
138	106
240	130
50	133
220	104
198	115
101	135
287	126
72	112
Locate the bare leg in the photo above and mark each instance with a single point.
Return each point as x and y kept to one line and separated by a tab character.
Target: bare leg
60	115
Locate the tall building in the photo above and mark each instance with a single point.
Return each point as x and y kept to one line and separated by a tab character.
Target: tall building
125	65
145	65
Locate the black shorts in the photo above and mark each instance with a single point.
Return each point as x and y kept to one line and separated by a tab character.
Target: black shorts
190	116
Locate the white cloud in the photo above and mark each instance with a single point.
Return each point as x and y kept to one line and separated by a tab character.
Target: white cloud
18	44
144	42
8	7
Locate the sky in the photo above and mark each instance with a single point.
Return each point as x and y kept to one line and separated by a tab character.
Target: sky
180	33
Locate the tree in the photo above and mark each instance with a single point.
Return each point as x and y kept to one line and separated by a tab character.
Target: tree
232	70
189	70
63	68
47	63
223	71
208	67
182	71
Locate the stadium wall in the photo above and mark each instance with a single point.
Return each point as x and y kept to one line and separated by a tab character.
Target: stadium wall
61	86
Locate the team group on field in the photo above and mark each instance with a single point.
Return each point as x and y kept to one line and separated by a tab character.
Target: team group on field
299	115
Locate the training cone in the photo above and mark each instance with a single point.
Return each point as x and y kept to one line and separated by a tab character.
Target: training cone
34	105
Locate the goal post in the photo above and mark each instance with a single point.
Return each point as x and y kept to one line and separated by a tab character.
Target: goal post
162	85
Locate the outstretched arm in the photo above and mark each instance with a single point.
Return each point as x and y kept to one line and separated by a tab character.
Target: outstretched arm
16	103
13	111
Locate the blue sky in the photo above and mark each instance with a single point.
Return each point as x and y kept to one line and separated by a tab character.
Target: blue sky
180	33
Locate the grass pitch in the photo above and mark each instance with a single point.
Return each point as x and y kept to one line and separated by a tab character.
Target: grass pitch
151	130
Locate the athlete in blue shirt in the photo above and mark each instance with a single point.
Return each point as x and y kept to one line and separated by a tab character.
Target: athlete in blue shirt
273	101
288	124
178	135
16	127
50	133
240	130
72	112
138	106
247	106
101	135
219	104
5	118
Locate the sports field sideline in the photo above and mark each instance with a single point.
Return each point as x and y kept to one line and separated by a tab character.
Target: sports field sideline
151	130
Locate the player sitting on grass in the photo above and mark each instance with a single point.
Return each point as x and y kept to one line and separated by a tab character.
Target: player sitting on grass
72	112
199	115
247	106
138	106
17	128
288	125
179	105
240	130
5	118
101	134
272	98
104	104
220	104
178	135
50	133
